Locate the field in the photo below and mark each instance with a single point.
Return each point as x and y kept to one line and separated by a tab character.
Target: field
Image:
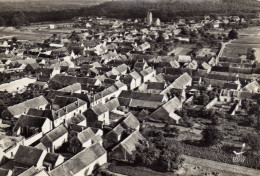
190	166
235	50
248	38
33	32
23	34
208	167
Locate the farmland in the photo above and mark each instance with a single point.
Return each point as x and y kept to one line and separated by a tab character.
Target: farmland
32	32
248	38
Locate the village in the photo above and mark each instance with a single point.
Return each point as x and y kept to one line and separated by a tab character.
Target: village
102	96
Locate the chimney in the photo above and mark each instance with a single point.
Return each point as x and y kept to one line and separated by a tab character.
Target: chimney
78	103
66	109
58	114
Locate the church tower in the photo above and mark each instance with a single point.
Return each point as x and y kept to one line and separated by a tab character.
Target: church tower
149	19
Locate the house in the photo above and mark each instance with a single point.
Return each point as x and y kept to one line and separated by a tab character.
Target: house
52	26
29	125
98	112
129	81
182	39
108	93
78	119
22	108
122	69
252	87
66	108
52	160
112	105
50	114
166	112
114	136
180	83
120	86
55	138
5	172
227	95
174	64
31	171
46	73
147	74
64	80
123	151
140	100
155	87
31	67
192	65
206	66
129	122
139	66
83	163
27	157
137	79
231	86
184	59
84	139
74	88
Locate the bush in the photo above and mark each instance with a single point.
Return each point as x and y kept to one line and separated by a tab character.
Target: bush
211	136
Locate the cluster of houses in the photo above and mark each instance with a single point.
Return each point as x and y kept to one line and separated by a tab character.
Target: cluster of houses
101	83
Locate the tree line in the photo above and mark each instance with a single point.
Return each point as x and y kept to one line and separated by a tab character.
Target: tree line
165	10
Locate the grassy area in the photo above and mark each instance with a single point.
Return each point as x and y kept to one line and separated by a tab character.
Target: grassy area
136	171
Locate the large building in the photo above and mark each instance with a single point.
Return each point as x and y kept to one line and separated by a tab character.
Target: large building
149	19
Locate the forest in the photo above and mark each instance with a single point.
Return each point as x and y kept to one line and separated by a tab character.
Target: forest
166	10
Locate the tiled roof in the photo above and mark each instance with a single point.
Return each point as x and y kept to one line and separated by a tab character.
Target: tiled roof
80	161
29	121
53	135
28	155
26	105
100	109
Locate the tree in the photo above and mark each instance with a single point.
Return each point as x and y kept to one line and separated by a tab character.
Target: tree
233	34
215	120
185	31
194	34
250	54
74	36
202	99
19	19
159	155
211	135
2	21
145	155
169	160
14	39
253	141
